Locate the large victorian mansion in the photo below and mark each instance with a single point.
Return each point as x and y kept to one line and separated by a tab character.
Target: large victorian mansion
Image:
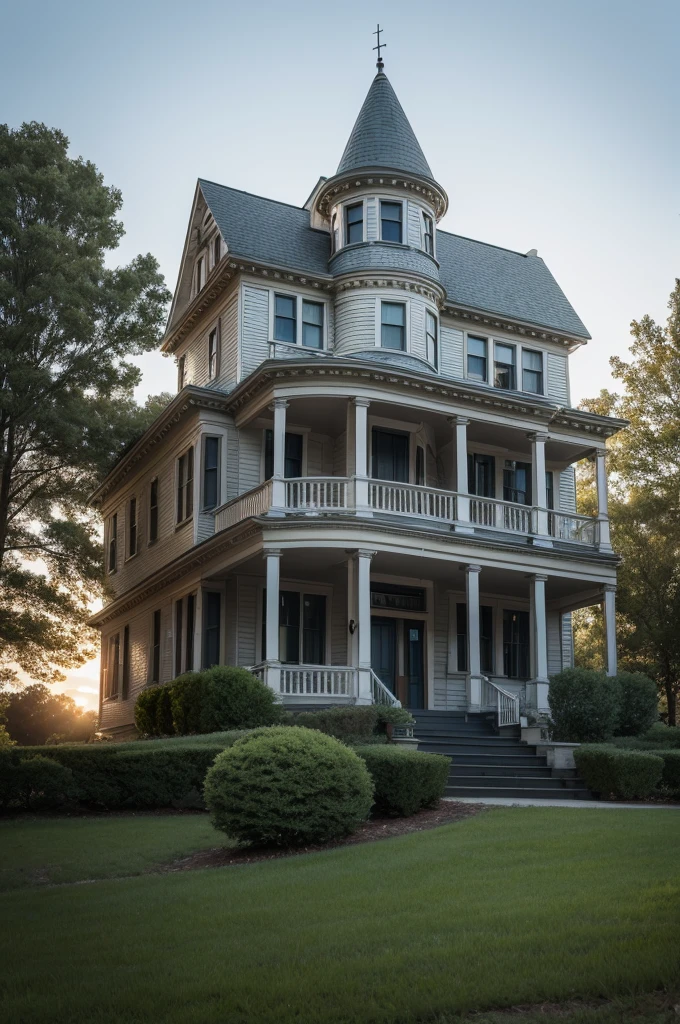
364	488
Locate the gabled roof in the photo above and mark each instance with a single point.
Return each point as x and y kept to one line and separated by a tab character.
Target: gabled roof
382	135
267	231
478	276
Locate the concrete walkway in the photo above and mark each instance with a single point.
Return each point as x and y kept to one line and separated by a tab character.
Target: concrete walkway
508	801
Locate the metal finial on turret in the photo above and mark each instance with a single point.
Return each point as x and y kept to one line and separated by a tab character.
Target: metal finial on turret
381	46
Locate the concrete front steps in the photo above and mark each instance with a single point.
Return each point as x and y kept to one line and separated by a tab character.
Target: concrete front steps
485	763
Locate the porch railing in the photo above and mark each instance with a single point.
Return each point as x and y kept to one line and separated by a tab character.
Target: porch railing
500	515
317	493
381	694
318	681
505	704
253	503
571	527
412	500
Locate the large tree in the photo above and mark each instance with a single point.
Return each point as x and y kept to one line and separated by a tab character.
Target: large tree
68	325
36	714
644	464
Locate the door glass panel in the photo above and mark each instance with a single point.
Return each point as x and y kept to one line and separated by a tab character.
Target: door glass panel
384	651
289	627
517	482
516	644
390	456
482	475
414	635
313	629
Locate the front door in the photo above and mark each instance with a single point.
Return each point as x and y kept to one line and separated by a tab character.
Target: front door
414	642
384	651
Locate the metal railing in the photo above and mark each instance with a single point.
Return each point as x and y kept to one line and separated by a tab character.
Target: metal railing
317	493
500	515
412	500
252	503
505	704
572	527
318	681
381	694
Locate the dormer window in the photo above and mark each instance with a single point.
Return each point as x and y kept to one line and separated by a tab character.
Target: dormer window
391	215
354	223
285	319
200	274
428	234
476	358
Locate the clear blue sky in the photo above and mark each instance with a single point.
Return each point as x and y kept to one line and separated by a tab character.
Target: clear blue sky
552	125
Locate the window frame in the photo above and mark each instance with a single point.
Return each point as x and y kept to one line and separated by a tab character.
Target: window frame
299	298
538	352
346	224
400	221
427	219
112	671
216	250
469	355
154	512
404	303
132	527
430	316
155	648
199	274
184	504
205	507
519	348
125	667
302	432
322	326
511	366
294	318
302	588
218	627
112	544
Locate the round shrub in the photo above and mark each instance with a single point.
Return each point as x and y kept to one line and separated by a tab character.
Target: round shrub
583	705
233	698
41	782
405	780
638	703
288	786
146	705
187	693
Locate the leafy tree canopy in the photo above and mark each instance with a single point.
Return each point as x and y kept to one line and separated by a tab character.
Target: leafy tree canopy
35	715
68	325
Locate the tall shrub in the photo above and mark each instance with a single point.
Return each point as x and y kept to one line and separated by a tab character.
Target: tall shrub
583	705
233	698
146	706
186	702
638	703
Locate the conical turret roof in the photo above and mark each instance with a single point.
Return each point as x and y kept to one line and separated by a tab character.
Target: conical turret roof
382	135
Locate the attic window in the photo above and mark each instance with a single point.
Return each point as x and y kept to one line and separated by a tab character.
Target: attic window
217	250
200	275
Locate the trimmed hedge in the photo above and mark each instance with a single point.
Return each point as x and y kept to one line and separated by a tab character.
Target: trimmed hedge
583	705
405	780
34	783
288	786
221	698
610	771
638	703
671	769
354	724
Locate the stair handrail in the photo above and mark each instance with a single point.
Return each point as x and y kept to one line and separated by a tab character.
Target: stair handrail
507	704
381	693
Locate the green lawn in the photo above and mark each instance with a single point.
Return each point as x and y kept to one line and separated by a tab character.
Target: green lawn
511	907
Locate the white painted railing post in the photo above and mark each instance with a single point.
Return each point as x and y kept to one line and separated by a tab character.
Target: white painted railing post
537	688
271	640
474	676
460	425
538	488
362	504
602	498
278	482
609	609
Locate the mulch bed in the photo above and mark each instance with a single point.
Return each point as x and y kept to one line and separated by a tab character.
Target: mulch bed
377	828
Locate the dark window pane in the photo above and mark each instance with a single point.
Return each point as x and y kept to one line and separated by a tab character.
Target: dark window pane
476	358
517	482
179	608
153	511
486	638
482	475
268	454
312	324
285	313
126	663
210	471
314	629
431	339
132	527
390	456
354	223
393	325
461	637
516	644
191	625
212	354
289	627
532	372
420	465
113	543
390	218
156	648
211	631
293	462
504	367
428	234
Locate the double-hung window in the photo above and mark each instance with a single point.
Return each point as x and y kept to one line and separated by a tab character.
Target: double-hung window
477	358
302	627
113	543
185	485
292	466
354	223
428	234
211	459
213	353
285	319
312	324
517	482
532	371
153	511
504	375
211	629
391	221
112	667
393	325
516	644
132	527
431	337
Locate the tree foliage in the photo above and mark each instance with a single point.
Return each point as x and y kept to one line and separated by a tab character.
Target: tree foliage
68	323
644	465
34	715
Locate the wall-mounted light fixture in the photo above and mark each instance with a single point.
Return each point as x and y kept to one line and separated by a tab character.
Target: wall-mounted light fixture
352	626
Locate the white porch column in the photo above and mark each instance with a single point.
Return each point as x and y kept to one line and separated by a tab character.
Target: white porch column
602	502
360	641
609	608
538	487
271	640
278	482
460	425
474	660
361	455
537	687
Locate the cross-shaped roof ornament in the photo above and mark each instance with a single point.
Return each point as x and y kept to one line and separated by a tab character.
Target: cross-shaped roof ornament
379	47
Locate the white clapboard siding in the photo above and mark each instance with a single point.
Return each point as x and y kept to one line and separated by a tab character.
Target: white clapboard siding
568	490
340	455
554	643
567	641
558	378
371	219
250	458
228	374
205	526
451	356
441	632
167	645
417	340
414	226
248	591
431	472
254	328
449	694
355	323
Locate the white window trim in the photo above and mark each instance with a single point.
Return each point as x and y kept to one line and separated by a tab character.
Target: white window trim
407	326
109	531
342	233
106	660
204	437
149	663
519	347
423	215
179	523
301	587
299	297
203	255
128	555
438	368
404	219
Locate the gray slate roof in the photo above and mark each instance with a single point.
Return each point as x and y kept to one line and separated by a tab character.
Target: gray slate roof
382	135
476	275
